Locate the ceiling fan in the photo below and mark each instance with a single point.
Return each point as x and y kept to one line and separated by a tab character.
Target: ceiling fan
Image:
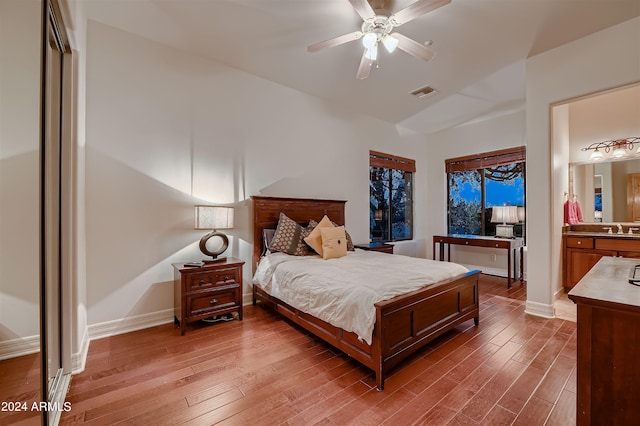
377	29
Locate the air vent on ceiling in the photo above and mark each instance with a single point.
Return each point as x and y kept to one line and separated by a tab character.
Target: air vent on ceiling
424	92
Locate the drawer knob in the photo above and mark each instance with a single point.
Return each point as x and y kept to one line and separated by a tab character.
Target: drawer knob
579	242
497	245
213	301
201	282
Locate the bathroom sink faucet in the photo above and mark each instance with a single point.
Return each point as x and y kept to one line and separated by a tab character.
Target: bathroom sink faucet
620	229
608	229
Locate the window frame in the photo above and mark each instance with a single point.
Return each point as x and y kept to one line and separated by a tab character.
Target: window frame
483	161
392	162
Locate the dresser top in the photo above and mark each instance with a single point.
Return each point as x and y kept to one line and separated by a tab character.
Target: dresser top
227	261
607	284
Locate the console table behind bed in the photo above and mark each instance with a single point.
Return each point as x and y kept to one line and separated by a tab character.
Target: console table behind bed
404	324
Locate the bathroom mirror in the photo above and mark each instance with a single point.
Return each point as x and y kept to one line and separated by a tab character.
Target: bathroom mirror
608	191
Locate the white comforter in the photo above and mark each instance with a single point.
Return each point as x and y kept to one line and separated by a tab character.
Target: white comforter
343	291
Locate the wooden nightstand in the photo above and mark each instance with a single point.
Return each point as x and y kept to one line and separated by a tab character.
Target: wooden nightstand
202	292
381	247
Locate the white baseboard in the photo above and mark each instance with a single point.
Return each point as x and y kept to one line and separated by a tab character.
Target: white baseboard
247	299
19	347
79	360
125	325
539	309
498	272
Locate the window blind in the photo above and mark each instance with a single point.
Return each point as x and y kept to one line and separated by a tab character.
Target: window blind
486	160
388	161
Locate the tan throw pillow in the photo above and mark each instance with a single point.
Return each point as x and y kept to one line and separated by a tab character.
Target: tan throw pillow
334	242
350	246
315	238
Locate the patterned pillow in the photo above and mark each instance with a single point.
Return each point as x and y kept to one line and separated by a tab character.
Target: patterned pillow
289	237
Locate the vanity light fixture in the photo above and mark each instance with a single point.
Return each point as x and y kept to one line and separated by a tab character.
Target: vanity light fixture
618	147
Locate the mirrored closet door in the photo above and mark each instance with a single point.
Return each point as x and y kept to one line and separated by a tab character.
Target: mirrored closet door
55	216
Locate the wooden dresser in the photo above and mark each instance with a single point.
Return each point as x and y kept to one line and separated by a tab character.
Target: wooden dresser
608	365
583	250
207	291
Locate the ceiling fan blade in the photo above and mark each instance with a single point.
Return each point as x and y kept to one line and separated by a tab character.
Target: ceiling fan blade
416	9
363	8
414	48
336	41
365	67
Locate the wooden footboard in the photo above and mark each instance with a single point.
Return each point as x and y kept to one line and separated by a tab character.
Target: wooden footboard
404	324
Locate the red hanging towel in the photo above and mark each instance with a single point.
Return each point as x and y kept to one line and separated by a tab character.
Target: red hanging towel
578	210
572	212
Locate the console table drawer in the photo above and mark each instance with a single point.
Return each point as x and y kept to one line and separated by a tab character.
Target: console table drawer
580	242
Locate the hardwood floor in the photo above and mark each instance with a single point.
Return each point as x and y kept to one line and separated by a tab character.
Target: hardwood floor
511	369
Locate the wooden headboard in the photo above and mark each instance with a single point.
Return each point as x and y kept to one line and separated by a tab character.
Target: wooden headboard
266	211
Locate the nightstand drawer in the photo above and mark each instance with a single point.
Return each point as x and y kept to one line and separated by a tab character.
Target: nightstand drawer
226	276
205	280
212	302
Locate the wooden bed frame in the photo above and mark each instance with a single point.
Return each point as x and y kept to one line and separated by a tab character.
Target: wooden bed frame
404	324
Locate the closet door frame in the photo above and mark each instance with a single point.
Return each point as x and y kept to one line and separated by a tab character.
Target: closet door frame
57	201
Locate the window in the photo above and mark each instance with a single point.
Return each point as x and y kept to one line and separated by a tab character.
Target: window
391	197
476	184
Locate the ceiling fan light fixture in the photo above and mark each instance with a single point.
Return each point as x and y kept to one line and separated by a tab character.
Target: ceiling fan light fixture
390	43
369	40
372	53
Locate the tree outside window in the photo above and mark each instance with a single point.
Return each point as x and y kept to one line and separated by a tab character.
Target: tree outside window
477	184
391	197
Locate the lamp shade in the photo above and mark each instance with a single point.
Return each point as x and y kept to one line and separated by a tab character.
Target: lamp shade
504	214
213	217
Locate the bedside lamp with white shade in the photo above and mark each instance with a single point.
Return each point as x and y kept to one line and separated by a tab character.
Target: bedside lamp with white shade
505	216
213	218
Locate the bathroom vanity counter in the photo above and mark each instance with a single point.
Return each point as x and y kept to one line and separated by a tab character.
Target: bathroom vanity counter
583	248
608	371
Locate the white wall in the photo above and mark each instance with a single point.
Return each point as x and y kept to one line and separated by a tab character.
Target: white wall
167	130
608	116
502	132
601	61
19	170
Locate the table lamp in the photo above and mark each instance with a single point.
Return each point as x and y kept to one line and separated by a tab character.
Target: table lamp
506	216
214	218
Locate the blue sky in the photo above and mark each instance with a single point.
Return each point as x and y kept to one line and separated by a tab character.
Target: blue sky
509	193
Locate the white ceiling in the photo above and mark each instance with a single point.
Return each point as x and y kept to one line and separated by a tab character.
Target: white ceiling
481	46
